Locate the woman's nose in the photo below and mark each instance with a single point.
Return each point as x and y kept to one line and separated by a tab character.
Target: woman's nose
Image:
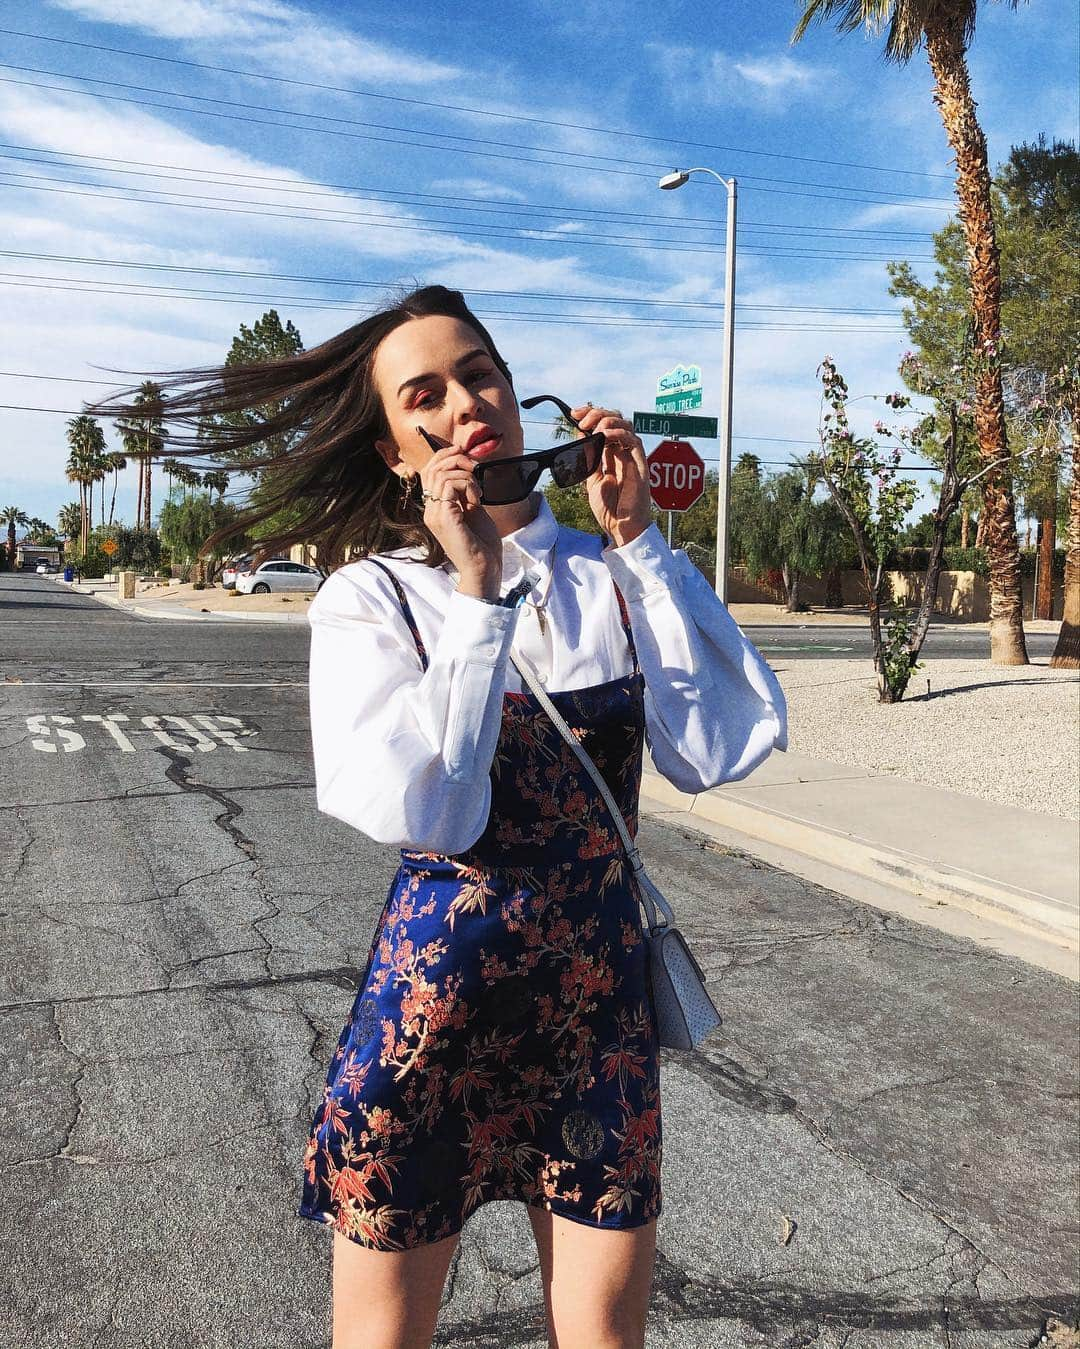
464	401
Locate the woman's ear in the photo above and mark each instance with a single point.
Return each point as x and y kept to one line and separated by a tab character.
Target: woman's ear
390	456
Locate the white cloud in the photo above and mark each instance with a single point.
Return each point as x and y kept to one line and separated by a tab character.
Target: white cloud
775	73
714	79
269	33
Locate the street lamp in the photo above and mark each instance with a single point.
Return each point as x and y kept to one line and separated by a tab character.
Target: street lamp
669	183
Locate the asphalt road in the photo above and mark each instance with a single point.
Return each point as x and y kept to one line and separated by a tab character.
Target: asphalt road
181	936
846	641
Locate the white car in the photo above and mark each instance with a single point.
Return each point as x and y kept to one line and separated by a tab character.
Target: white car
42	569
277	575
233	567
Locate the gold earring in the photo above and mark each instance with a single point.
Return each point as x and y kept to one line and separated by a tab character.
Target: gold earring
408	490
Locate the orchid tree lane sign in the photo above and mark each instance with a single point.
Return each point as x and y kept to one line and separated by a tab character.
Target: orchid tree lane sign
679	390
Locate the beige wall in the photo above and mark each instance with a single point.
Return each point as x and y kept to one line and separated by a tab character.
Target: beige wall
961	594
302	552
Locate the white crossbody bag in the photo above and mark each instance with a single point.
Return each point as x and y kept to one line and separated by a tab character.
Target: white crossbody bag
685	1013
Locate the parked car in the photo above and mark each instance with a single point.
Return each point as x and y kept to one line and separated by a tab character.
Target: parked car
42	568
277	575
234	565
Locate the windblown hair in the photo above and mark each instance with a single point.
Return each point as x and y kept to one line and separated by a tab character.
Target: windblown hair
341	496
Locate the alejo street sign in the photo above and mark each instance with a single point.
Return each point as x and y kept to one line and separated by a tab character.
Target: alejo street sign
667	424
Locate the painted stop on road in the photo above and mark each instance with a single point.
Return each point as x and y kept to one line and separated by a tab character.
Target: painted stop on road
676	475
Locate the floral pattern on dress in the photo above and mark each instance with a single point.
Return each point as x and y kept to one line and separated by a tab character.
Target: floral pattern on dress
502	1043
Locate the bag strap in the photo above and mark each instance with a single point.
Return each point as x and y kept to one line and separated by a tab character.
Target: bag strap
406	610
651	897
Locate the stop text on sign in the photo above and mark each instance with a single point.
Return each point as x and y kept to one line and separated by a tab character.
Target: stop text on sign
676	475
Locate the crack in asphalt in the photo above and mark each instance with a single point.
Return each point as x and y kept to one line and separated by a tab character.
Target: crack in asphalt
730	1079
147	795
25	851
76	1093
786	1317
88	1159
341	976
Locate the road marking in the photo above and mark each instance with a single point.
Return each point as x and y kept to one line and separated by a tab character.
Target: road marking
812	646
166	727
108	722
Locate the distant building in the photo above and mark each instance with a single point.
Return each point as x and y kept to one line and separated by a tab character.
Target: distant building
30	554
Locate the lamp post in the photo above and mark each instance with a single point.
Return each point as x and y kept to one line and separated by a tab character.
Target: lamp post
669	182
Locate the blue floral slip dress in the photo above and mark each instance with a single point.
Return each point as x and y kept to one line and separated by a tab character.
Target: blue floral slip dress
503	1044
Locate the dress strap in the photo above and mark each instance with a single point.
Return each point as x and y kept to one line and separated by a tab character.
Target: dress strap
625	617
406	610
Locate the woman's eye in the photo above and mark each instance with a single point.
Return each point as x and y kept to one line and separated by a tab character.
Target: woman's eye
427	400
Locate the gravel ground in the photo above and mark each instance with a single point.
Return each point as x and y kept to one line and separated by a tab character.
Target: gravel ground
1005	733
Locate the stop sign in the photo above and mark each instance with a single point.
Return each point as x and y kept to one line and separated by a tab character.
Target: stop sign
676	475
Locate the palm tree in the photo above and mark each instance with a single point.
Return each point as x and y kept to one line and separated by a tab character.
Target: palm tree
217	480
117	461
102	467
142	440
186	475
69	520
12	516
87	442
946	27
74	473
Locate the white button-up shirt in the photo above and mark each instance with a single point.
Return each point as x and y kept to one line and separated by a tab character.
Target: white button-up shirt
404	755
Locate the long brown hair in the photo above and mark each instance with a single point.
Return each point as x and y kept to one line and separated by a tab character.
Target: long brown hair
344	499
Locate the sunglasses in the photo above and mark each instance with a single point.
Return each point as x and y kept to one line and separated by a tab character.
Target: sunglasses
503	481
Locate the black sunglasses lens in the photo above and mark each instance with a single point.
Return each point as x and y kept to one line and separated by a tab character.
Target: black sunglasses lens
576	462
502	484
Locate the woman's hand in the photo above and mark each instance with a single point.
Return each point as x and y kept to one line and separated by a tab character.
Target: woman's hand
619	495
453	513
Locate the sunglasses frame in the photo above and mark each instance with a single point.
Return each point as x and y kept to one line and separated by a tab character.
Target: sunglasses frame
534	463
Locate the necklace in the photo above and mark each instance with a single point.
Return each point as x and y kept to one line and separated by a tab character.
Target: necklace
538	605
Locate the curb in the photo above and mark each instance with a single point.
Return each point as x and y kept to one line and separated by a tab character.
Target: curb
1026	911
186	615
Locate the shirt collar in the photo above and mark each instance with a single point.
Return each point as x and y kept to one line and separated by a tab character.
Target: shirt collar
532	543
536	539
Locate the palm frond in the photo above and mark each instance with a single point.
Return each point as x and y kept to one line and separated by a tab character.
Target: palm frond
904	22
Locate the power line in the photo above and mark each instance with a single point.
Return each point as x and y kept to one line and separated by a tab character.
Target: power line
67	412
127	264
136	291
491	206
468	141
467	231
791	189
482	112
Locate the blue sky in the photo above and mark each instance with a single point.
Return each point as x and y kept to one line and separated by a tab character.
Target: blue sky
227	184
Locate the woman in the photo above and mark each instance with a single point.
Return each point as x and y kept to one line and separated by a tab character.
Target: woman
502	1042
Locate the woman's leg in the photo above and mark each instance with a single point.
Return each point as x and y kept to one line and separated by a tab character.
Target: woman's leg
596	1281
388	1299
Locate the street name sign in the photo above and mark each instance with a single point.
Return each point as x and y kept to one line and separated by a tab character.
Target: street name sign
679	402
679	390
676	475
667	424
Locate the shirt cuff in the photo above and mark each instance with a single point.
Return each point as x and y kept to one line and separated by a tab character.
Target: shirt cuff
476	631
644	565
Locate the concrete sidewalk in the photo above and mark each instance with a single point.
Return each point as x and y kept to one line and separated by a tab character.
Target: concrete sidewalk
993	873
